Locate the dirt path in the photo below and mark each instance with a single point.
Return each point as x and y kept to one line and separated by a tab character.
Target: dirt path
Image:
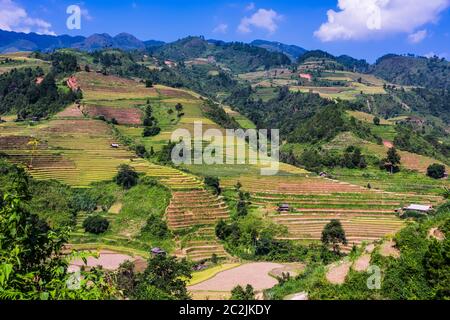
255	274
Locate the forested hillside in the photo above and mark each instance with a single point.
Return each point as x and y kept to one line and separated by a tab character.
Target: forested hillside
414	71
238	57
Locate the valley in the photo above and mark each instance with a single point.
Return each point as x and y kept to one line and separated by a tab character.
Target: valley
233	224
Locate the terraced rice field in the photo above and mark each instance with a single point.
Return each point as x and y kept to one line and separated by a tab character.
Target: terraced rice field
192	207
77	152
21	60
366	215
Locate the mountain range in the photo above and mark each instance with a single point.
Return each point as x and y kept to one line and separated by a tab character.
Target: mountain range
17	41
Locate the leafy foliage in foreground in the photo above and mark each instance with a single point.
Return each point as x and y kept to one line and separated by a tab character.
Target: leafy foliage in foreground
32	263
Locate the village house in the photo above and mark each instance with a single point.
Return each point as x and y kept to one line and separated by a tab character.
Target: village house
425	209
412	120
157	252
284	208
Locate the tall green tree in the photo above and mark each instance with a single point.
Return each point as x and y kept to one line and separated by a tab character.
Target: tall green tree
127	177
333	234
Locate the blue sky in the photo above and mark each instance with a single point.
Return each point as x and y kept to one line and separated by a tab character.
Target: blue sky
364	29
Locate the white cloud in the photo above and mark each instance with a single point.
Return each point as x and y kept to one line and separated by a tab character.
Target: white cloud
263	19
418	36
15	18
251	6
362	19
221	28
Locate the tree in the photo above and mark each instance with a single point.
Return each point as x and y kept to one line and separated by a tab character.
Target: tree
156	227
393	157
148	83
127	177
242	205
96	224
141	151
151	131
33	264
391	163
164	278
179	107
376	121
333	234
437	270
126	278
238	293
214	183
222	230
436	171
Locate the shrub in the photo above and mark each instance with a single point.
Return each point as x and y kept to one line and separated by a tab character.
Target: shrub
214	183
141	151
96	224
151	131
238	293
156	227
333	234
127	177
436	171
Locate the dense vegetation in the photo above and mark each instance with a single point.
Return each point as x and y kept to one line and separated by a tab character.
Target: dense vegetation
238	57
421	272
33	264
19	93
414	71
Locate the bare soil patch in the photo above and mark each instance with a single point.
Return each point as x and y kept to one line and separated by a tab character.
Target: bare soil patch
388	249
122	115
436	234
338	272
72	111
108	260
388	144
255	274
362	264
293	269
